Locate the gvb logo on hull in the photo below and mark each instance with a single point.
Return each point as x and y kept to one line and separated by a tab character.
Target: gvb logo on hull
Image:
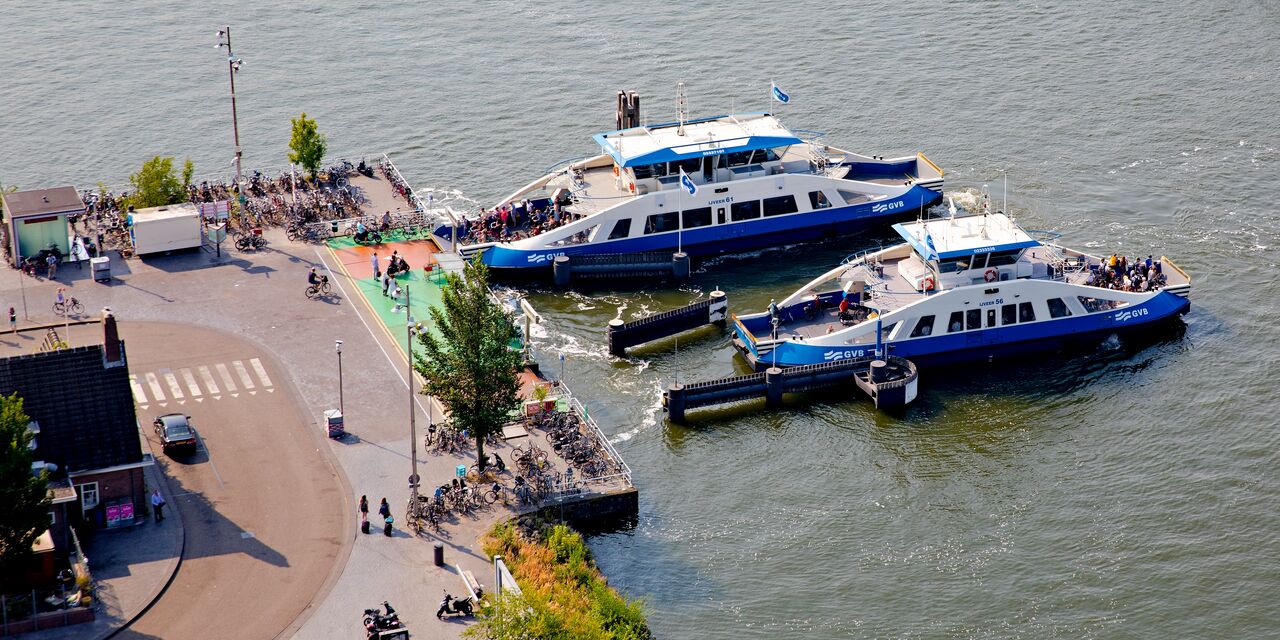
834	355
887	206
539	258
1124	316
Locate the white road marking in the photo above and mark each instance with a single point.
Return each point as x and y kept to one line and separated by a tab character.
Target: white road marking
207	378
138	395
174	389
154	383
261	371
190	379
243	373
226	377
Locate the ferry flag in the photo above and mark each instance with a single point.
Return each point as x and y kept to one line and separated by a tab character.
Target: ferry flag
780	96
928	241
687	184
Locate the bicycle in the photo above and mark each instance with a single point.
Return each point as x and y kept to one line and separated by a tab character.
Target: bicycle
248	241
318	290
69	305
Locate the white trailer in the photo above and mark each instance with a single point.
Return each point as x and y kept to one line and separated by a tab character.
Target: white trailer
168	228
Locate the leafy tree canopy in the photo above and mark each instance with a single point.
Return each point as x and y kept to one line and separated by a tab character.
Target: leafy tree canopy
23	496
470	367
307	145
156	185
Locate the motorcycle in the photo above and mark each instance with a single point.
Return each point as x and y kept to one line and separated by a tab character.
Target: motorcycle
369	236
449	607
375	621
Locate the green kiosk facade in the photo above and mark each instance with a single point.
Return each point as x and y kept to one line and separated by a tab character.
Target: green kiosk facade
38	218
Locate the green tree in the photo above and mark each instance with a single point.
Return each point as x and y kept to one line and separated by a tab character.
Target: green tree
23	496
471	367
156	185
3	190
307	145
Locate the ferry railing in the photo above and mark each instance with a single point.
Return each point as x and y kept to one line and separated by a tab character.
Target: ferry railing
564	163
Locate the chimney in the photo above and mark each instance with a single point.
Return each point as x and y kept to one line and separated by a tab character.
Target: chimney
112	351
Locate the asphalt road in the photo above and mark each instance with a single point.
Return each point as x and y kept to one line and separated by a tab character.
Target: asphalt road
263	506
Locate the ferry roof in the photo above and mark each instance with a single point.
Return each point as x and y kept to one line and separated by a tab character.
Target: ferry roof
945	238
706	137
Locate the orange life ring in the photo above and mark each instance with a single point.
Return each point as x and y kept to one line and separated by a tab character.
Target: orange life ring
615	170
927	284
990	275
632	186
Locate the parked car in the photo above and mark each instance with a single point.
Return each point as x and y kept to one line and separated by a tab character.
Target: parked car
175	433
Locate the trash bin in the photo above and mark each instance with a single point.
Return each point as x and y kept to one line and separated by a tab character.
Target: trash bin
439	554
101	268
334	424
461	471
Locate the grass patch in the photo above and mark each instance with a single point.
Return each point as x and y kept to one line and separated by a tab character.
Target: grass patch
564	594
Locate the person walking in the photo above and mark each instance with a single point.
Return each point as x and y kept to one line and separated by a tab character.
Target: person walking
384	510
157	505
375	264
13	320
52	261
364	514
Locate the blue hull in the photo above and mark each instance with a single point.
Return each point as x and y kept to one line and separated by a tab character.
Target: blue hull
734	237
989	344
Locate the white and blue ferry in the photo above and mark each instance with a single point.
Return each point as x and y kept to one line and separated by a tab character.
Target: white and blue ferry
758	184
960	289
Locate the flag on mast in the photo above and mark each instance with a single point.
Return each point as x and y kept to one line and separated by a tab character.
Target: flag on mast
778	94
687	183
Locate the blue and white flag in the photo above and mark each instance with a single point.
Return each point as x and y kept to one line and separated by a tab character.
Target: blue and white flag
779	95
928	242
687	184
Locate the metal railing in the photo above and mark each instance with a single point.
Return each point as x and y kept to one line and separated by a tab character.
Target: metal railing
623	472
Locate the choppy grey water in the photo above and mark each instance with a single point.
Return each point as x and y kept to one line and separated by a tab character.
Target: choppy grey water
1127	494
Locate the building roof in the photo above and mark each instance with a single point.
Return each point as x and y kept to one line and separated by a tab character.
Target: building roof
38	202
944	238
60	491
706	137
181	210
83	406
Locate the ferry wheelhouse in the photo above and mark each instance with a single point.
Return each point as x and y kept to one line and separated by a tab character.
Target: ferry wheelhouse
759	185
959	289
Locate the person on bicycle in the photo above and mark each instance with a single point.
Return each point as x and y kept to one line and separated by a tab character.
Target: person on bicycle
315	279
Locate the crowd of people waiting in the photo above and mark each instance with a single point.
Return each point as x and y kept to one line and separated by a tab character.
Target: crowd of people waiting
1121	274
514	221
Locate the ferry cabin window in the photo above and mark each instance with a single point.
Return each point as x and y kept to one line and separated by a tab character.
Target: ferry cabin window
651	170
1058	308
1026	313
956	323
621	229
694	218
659	222
1008	314
973	319
1002	258
991	318
818	200
780	205
952	265
923	328
764	155
749	210
691	166
738	158
1094	305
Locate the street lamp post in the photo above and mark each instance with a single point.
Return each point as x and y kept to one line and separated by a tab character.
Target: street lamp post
233	65
337	346
410	330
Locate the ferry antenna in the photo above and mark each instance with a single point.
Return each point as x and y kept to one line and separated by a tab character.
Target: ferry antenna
682	108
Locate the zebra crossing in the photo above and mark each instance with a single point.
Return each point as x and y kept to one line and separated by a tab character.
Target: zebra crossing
197	383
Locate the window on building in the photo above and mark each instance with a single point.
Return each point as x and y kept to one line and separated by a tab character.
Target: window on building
621	229
88	495
818	200
694	218
1058	308
1026	313
1008	314
923	328
780	205
749	210
973	319
659	222
956	323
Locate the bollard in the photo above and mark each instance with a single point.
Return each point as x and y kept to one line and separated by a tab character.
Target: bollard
773	387
618	349
680	267
879	371
718	311
675	403
439	554
562	270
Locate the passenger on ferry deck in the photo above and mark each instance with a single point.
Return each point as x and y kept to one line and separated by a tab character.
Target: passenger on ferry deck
844	304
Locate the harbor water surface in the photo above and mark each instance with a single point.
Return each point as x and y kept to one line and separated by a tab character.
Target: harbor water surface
1129	492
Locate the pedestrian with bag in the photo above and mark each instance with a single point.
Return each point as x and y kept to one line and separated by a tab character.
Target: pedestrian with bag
364	514
385	511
